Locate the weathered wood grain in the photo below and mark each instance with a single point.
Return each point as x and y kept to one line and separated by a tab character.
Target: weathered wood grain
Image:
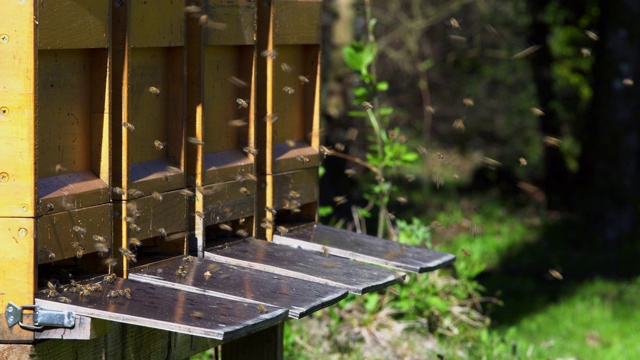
85	328
297	22
356	277
362	247
155	23
73	24
228	201
301	297
303	182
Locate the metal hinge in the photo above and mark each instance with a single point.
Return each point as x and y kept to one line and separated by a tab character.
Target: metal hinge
41	317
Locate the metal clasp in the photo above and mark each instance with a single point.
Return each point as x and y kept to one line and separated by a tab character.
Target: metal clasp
41	317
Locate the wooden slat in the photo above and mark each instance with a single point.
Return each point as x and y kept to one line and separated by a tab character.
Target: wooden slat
156	23
170	213
172	310
73	24
303	182
361	247
70	192
297	22
240	283
17	271
17	112
233	22
228	201
85	328
153	175
225	166
356	277
101	114
298	157
56	234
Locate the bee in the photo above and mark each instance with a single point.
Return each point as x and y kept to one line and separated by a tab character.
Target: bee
79	249
262	308
50	207
156	195
163	233
458	124
242	233
241	221
266	225
135	242
109	279
213	267
183	270
186	192
491	162
197	314
173	170
294	194
339	200
135	192
458	38
273	211
64	299
523	161
282	230
290	143
50	254
351	134
286	67
627	82
325	251
271	118
159	145
303	79
159	271
302	158
250	150
130	256
244	191
250	177
135	227
466	252
267	220
586	52
526	52
207	274
195	141
60	168
467	102
113	294
536	111
99	239
128	126
154	90
238	82
127	293
192	9
242	104
94	287
80	230
129	219
367	105
84	292
350	172
339	147
199	214
454	23
410	177
110	262
225	227
204	21
288	90
591	35
403	249
556	274
237	123
421	150
551	141
272	54
51	292
430	109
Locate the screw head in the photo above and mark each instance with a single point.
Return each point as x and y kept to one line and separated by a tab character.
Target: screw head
24	208
4	38
22	232
4	111
4	177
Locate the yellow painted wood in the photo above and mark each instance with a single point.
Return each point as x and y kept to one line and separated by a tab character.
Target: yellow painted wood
73	24
233	22
156	23
193	102
101	114
17	101
17	271
297	22
56	234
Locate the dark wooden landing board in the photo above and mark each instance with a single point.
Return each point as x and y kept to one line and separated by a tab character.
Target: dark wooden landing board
169	309
366	248
301	297
356	277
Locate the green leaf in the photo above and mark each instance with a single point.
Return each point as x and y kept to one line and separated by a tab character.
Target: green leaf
382	86
385	111
321	171
360	92
425	65
357	113
353	56
325	210
410	156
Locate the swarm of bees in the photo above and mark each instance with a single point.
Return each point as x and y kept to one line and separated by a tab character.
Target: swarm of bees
182	271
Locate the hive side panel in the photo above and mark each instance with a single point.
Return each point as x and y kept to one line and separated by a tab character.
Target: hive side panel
297	22
73	24
156	23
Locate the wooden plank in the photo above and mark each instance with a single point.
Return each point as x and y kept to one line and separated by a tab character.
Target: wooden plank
73	24
263	345
155	23
17	111
297	22
169	214
101	114
70	192
228	201
225	166
301	297
169	309
296	157
17	272
295	187
61	235
153	175
362	247
85	328
194	83
231	22
356	277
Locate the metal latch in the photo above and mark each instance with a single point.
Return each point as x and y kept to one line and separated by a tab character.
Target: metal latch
41	317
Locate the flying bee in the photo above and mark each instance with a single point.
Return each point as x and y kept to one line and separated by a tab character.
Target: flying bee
491	162
556	274
325	251
242	104
339	200
163	233
294	194
199	214
244	191
262	308
523	161
286	68
290	143
79	249
135	227
350	172
238	82
129	219
627	82
271	118
186	192
454	23
273	211
128	126
241	221
339	146
80	230
458	124
367	105
266	225
109	279
197	314
60	168
159	145
135	192
430	109
303	79
586	52
110	262
467	102
237	123
99	239
351	134
272	54
225	227
402	200
204	21
421	150
288	90
403	249
64	299
536	111
302	158
282	230
242	233
591	35
130	256
551	141
466	252
135	242
250	150
249	177
268	221
195	141
154	90
156	195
